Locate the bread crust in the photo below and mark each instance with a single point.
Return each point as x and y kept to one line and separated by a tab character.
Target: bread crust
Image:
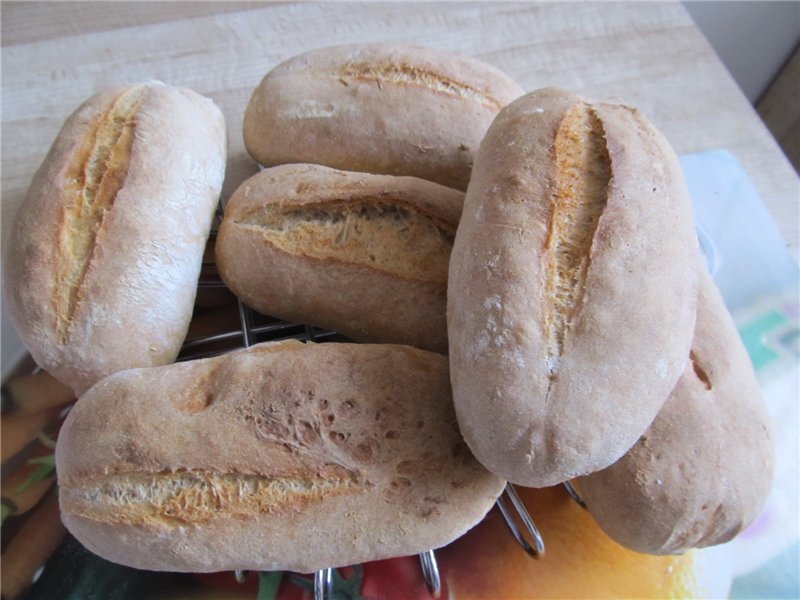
101	266
378	108
702	471
365	255
572	287
282	456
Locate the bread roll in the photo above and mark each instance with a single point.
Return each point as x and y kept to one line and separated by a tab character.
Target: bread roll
102	262
365	255
572	288
702	471
283	456
378	108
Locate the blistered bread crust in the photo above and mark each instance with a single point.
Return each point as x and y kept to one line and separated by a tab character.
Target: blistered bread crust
572	287
365	255
377	108
101	266
702	471
282	456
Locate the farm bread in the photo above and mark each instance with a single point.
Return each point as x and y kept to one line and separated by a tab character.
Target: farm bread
365	255
102	263
572	287
378	108
282	456
702	471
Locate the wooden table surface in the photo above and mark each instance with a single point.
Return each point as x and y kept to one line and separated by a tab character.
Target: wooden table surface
55	55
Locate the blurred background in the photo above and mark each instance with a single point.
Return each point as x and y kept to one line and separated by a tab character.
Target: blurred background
758	42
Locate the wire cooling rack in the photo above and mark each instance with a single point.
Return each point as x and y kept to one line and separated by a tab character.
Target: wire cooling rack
228	324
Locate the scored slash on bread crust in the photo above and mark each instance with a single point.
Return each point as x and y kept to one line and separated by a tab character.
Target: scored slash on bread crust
258	458
399	73
97	178
385	234
581	188
193	497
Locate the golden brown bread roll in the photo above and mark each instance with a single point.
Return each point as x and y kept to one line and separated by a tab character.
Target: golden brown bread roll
365	255
572	287
282	456
377	108
102	262
702	471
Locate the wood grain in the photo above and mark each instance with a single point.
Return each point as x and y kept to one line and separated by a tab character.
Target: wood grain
56	54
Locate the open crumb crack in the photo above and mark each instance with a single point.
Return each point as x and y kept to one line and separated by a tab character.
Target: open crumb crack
398	73
96	175
197	496
382	235
583	172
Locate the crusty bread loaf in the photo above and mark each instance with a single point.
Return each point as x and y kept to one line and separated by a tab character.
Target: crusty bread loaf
282	456
102	262
377	108
702	471
365	255
572	287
